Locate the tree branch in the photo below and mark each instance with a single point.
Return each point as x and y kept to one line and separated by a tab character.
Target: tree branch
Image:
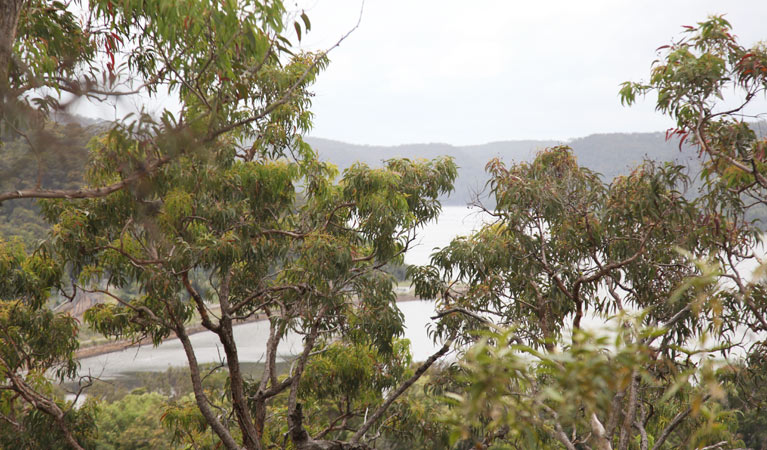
394	395
86	192
674	423
201	308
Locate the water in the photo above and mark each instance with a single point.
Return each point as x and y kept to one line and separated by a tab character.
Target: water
454	221
251	337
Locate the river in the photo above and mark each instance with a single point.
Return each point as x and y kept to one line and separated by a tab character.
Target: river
251	337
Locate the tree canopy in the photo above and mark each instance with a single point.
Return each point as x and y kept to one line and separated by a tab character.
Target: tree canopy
585	314
606	315
225	190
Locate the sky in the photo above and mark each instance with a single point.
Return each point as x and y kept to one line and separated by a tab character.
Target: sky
472	72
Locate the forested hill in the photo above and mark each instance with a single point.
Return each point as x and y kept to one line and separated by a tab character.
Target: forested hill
56	161
609	154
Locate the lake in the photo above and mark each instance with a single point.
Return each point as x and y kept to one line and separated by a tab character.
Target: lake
251	337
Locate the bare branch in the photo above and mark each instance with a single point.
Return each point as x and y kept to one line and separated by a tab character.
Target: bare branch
86	192
201	308
394	395
674	423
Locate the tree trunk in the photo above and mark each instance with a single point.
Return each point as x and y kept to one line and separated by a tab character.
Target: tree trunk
250	435
199	393
599	435
10	11
302	441
630	413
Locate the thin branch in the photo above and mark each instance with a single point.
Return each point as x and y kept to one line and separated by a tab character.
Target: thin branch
200	304
394	395
674	423
446	312
286	96
85	192
127	304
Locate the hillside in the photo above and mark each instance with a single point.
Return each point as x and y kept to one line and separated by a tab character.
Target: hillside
63	163
56	160
608	154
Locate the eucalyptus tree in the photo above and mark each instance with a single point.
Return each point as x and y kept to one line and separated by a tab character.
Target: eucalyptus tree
563	254
276	237
691	78
596	308
711	85
665	272
243	90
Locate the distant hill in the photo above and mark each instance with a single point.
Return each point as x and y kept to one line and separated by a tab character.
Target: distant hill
63	163
57	162
470	159
608	154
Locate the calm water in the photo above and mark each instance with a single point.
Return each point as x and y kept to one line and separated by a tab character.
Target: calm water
251	337
454	221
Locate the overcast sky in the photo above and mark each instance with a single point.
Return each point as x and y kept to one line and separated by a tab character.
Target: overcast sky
471	72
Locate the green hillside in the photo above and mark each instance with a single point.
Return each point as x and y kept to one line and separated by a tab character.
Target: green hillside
53	158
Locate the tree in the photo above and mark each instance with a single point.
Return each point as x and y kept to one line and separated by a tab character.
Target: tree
276	237
562	247
223	62
264	221
244	94
690	79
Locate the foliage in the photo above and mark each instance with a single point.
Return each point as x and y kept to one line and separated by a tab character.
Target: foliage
59	156
227	189
347	380
301	264
691	79
37	343
244	95
133	422
564	244
565	252
565	247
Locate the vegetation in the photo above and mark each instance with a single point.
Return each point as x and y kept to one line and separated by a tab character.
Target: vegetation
636	255
59	163
226	189
590	313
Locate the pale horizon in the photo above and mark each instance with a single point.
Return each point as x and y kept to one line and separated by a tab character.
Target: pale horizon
444	72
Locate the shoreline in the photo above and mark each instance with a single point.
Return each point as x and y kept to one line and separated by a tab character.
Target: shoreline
122	344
